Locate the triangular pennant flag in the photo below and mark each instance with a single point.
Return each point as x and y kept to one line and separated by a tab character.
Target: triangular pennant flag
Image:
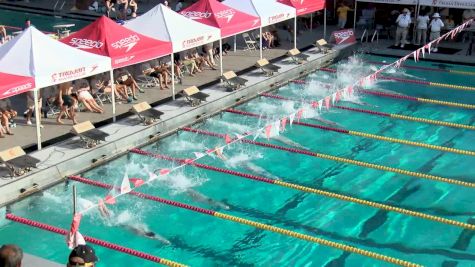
137	182
423	51
72	239
291	118
199	154
283	123
350	90
320	105
238	136
429	47
338	96
109	200
268	129
333	98
299	114
75	240
152	176
276	128
314	104
327	102
228	139
125	185
164	171
398	64
189	161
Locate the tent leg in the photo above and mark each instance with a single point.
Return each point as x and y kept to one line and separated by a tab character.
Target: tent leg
172	58
311	21
260	42
295	32
111	74
37	118
221	56
354	15
234	43
325	23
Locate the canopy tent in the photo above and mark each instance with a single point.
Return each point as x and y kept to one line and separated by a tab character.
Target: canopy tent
11	85
463	4
48	62
162	23
305	6
229	20
125	47
395	2
270	12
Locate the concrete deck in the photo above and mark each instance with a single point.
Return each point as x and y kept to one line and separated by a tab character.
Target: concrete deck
34	261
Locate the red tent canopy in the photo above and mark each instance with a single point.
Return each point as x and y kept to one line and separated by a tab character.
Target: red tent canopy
11	85
125	47
305	6
229	20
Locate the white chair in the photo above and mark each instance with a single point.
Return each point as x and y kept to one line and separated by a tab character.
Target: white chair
251	44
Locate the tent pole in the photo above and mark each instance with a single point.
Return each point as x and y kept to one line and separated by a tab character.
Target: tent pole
111	75
221	56
311	21
295	32
234	43
172	58
37	118
354	15
325	23
260	42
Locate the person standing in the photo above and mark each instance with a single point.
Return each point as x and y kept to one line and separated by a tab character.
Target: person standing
435	26
82	255
342	12
422	22
179	5
30	104
11	256
403	21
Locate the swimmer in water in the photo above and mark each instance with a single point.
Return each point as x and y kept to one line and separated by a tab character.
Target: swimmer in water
141	230
219	153
197	196
325	121
288	142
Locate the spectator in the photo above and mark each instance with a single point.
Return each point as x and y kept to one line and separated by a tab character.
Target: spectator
133	7
83	91
30	104
165	3
208	50
82	255
7	114
66	102
109	6
403	21
468	14
435	26
422	22
179	5
3	34
11	256
449	22
342	12
122	8
27	24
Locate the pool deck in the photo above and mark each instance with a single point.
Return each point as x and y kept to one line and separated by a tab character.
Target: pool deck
34	261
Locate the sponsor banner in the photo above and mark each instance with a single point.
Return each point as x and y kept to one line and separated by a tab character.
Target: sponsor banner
227	14
465	4
85	43
122	60
127	42
17	90
397	2
194	42
278	18
346	36
73	74
196	15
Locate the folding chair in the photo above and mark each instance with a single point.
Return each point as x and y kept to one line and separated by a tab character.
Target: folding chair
146	113
145	80
232	81
89	135
267	68
194	96
297	56
251	44
103	96
323	46
17	161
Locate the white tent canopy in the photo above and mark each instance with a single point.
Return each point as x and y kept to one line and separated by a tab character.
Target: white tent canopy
397	2
48	61
162	23
463	4
270	11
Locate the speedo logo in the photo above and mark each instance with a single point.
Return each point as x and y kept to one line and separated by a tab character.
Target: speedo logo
196	14
18	89
128	42
85	43
344	34
226	14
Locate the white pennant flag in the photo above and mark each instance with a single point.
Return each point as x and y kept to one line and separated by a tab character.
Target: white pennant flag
291	118
152	176
125	186
276	128
333	98
238	136
256	135
199	154
423	51
320	105
429	47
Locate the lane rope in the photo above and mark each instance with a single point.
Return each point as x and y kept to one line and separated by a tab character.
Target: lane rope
255	224
427	68
365	135
342	160
309	190
95	241
420	82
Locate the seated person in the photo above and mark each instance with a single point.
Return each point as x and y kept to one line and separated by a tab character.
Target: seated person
268	39
7	114
122	6
190	63
202	61
30	103
3	34
67	102
133	7
123	77
84	96
101	84
161	72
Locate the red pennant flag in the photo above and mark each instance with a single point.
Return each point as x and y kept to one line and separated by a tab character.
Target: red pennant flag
327	102
164	171
268	129
283	123
72	239
299	114
109	200
338	95
350	90
137	182
188	161
314	104
228	139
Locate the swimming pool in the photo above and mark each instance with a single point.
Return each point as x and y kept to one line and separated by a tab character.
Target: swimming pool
41	22
200	240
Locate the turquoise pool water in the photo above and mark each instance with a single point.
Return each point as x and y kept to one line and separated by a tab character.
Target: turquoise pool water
41	22
201	240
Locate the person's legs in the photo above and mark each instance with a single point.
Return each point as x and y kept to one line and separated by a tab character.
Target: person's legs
210	56
6	123
94	106
424	37
86	105
404	37
418	37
